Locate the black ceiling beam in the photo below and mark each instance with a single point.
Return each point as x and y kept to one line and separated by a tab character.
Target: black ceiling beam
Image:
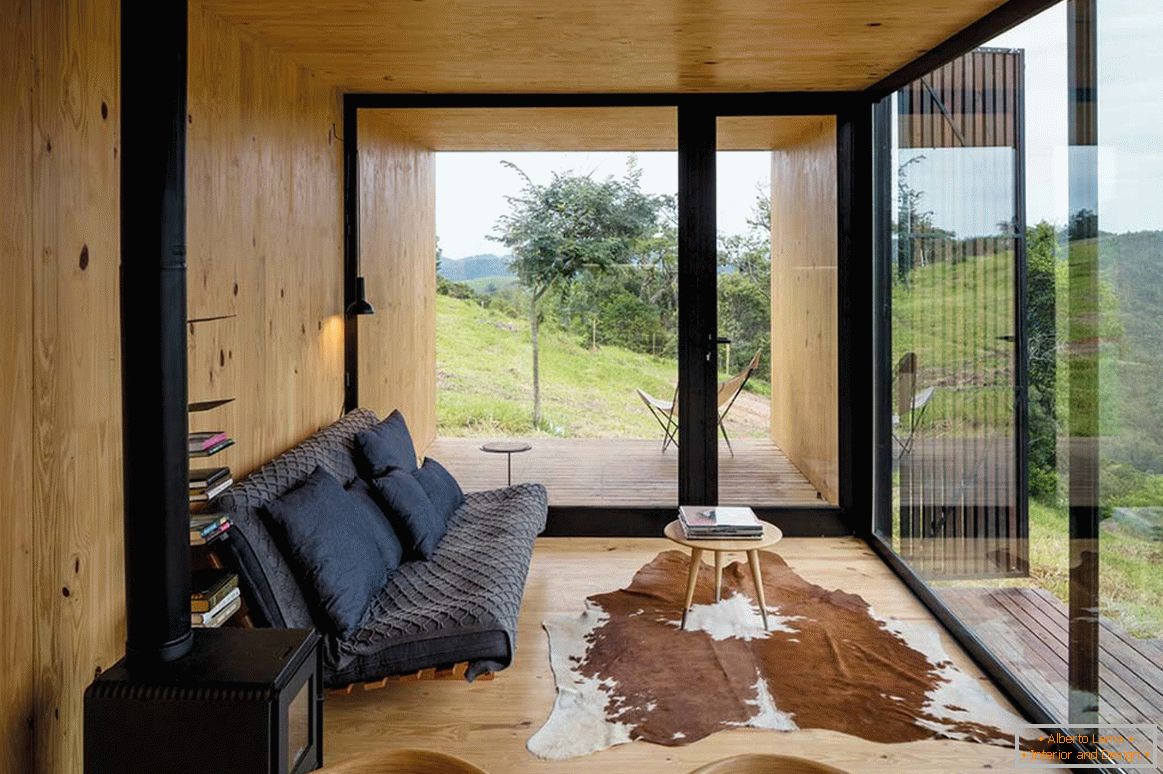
997	21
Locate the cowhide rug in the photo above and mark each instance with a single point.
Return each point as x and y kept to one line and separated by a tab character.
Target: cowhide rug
625	670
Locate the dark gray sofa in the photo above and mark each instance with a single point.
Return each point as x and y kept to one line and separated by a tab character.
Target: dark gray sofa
460	605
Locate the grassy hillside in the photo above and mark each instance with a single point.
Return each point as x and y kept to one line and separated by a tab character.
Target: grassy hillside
492	283
484	377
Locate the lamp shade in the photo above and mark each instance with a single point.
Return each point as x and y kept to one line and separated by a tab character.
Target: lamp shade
360	305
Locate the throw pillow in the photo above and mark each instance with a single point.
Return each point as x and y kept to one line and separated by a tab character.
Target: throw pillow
383	532
409	505
328	539
387	446
441	488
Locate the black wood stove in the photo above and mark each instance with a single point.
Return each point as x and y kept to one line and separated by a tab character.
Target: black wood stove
242	700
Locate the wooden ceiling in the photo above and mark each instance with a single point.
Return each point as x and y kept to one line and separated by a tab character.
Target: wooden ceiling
577	129
575	46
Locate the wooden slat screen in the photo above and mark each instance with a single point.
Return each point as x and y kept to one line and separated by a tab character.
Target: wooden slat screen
961	503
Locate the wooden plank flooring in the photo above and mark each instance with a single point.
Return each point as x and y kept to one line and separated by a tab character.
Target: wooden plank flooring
628	473
1027	628
489	723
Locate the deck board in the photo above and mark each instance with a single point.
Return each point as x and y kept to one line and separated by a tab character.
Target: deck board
627	473
1027	628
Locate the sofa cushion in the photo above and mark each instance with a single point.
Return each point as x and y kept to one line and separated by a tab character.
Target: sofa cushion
273	596
387	446
327	535
408	505
386	539
441	488
460	605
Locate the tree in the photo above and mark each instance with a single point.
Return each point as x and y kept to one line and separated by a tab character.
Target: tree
570	225
1042	357
745	287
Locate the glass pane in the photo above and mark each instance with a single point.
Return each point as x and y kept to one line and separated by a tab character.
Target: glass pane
973	245
777	400
557	303
1129	234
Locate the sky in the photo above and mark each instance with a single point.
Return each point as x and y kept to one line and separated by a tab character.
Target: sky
969	190
471	188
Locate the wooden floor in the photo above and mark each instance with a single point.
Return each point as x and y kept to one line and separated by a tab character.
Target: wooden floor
489	723
628	473
1027	628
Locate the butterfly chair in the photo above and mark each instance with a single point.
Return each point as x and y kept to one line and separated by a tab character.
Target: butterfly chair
666	413
910	404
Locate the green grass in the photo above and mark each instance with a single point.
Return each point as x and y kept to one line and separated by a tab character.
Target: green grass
484	368
491	284
484	372
1130	583
951	316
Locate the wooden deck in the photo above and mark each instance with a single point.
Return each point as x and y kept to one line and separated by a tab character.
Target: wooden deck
627	473
1027	629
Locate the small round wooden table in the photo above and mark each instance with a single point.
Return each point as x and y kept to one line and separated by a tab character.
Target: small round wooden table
508	448
771	536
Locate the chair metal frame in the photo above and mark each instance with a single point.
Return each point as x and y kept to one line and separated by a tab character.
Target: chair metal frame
664	413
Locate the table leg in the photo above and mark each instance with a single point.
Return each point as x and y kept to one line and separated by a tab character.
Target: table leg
718	575
753	560
692	576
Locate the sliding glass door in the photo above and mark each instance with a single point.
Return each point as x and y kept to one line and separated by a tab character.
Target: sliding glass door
1019	274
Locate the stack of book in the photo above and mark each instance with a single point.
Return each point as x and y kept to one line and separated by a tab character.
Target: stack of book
719	523
214	597
208	443
205	527
208	483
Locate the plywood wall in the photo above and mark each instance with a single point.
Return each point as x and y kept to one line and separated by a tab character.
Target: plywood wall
804	420
264	244
397	345
61	602
17	517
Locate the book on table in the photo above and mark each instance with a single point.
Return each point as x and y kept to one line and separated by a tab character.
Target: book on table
209	587
218	615
719	523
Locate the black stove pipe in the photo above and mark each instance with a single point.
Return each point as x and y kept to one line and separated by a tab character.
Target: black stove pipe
153	330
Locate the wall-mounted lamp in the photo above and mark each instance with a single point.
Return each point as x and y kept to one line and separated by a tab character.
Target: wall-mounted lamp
360	305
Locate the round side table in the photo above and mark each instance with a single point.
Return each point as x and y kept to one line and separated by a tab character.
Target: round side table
508	448
771	536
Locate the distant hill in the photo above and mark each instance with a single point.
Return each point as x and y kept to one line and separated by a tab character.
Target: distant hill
475	267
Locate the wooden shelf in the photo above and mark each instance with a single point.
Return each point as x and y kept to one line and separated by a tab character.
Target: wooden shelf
194	320
207	405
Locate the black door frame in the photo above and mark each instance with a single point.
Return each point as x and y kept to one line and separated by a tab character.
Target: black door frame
698	457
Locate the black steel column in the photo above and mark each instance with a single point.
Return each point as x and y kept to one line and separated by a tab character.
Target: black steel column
882	323
698	451
854	273
153	329
1082	349
350	251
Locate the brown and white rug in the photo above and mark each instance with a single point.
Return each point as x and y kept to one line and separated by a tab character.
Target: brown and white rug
625	670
